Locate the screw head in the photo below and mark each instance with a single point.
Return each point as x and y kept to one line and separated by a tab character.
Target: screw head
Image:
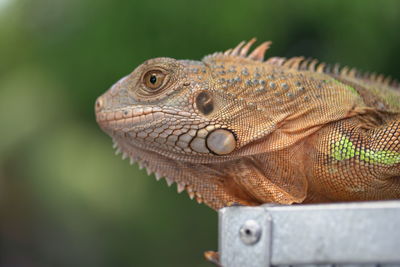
250	232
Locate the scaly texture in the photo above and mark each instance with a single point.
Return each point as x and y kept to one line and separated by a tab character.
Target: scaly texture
234	128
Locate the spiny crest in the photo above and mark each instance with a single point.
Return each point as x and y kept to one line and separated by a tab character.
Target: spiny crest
301	63
310	64
242	50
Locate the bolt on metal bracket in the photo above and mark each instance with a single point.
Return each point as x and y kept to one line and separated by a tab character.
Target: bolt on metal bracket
345	234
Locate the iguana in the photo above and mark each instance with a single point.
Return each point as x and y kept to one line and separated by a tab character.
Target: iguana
235	129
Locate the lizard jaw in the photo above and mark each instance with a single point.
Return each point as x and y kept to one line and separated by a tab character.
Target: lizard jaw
151	128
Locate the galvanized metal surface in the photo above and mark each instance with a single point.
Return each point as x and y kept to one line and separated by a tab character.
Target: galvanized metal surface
348	234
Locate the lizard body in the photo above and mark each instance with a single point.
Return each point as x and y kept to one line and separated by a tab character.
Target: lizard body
234	128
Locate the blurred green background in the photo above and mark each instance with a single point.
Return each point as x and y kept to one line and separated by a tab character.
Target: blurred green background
65	198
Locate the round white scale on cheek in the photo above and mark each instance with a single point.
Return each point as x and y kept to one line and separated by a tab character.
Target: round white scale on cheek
221	142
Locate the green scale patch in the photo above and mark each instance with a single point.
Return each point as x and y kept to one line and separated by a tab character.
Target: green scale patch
348	87
345	149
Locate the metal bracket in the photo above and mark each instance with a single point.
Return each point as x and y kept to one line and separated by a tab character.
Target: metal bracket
365	233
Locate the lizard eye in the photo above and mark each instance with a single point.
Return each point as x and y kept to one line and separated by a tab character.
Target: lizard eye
204	103
153	79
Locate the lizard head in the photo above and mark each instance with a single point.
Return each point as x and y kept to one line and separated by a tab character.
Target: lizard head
171	107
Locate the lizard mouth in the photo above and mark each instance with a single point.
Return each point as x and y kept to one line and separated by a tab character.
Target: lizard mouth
127	118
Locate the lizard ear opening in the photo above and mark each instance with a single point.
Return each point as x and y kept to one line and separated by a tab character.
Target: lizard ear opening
204	102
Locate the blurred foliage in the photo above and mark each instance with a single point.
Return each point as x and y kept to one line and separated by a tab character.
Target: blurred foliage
65	199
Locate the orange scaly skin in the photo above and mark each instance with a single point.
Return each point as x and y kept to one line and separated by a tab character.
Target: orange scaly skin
234	128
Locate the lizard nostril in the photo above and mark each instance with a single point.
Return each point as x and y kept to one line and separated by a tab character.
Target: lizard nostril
99	104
